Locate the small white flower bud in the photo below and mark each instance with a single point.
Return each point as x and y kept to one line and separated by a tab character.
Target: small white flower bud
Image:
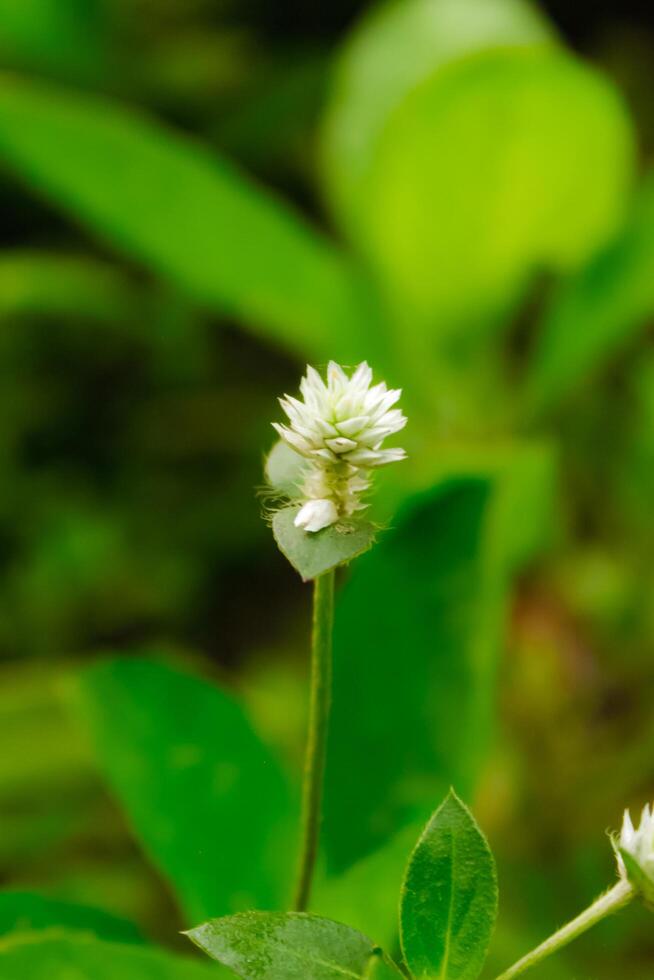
635	852
339	427
316	514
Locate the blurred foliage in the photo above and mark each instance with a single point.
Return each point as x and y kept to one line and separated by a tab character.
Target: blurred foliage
486	241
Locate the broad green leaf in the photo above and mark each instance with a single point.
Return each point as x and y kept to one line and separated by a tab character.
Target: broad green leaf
57	956
27	912
284	469
204	795
503	163
313	554
188	215
449	897
421	616
286	946
396	47
596	313
45	284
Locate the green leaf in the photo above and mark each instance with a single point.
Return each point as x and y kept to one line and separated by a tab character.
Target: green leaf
313	554
505	162
394	48
40	283
61	36
27	912
204	795
286	946
596	313
188	215
33	956
449	897
421	616
284	469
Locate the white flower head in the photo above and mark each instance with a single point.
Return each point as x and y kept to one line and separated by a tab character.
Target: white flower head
339	427
635	851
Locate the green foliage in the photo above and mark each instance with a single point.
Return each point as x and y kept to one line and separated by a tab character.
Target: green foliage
594	315
288	946
58	956
206	798
365	895
186	214
62	36
416	38
40	283
27	912
313	554
449	897
431	646
539	120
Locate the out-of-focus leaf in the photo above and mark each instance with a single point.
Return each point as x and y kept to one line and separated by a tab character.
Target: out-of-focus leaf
313	554
597	312
27	912
61	957
505	162
48	285
419	617
60	36
449	897
396	47
285	946
189	216
204	795
365	896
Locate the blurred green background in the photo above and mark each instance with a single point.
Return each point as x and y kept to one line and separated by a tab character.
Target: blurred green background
198	196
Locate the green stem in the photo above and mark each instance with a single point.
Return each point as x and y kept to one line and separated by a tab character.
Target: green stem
319	706
613	900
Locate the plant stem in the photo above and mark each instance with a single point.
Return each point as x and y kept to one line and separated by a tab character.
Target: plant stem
319	707
613	900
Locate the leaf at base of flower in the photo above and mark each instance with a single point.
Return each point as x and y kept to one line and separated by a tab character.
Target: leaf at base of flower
290	946
313	554
284	470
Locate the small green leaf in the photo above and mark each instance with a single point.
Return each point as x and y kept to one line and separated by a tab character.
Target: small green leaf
287	946
284	469
449	897
314	554
641	882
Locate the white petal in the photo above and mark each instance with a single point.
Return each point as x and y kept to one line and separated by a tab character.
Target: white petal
325	454
628	833
363	457
351	426
341	444
336	376
294	440
316	515
361	378
393	420
386	402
